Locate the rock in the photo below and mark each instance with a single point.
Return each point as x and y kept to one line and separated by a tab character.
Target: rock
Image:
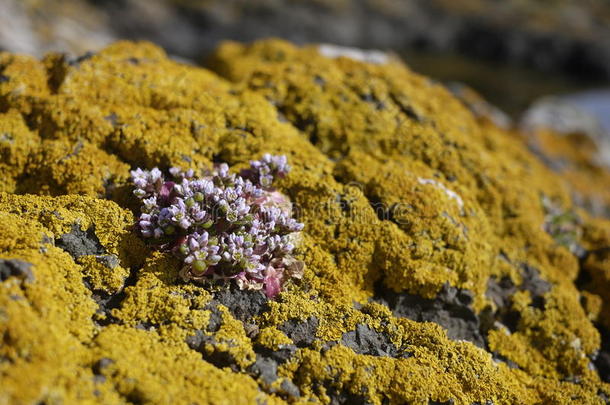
66	31
500	291
215	318
16	268
365	340
532	282
563	117
290	389
110	261
266	369
280	356
302	333
212	351
594	102
451	309
79	243
566	117
195	341
369	56
341	397
243	304
101	364
220	357
570	139
398	184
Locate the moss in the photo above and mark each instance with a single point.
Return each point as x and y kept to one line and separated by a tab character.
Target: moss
400	187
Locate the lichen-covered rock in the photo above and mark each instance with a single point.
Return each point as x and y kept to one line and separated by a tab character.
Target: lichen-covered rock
573	143
433	271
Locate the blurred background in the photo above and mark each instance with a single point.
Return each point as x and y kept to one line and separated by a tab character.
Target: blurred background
513	52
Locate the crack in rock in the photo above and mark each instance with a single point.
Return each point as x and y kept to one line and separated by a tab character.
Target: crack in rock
344	397
602	360
280	356
500	292
533	283
216	356
107	302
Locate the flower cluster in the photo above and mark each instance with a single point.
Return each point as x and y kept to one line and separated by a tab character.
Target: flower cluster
222	225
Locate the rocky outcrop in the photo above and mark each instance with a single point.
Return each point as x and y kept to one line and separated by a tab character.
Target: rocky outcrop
439	265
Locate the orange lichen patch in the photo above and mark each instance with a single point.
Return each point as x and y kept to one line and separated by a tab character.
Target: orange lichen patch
155	299
166	371
101	276
575	157
398	135
272	338
59	215
408	378
62	167
231	338
27	82
457	201
400	189
16	143
592	304
43	354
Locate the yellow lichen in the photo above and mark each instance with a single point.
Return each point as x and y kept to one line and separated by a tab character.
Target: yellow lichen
272	338
398	185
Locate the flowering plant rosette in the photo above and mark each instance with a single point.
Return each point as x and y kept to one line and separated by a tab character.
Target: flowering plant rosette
224	226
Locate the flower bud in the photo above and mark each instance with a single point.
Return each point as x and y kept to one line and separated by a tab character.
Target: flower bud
199	267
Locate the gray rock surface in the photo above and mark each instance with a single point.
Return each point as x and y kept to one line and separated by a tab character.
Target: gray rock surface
16	268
